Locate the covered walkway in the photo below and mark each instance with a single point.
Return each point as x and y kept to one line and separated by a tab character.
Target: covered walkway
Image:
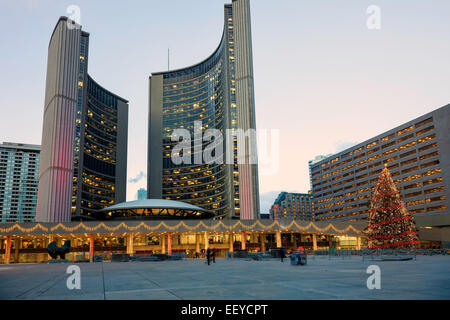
27	242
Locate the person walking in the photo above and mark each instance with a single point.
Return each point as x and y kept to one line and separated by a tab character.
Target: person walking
282	254
213	253
208	256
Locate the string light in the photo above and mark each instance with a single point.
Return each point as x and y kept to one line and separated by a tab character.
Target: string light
199	227
389	224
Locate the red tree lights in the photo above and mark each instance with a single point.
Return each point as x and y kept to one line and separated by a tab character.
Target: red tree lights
389	224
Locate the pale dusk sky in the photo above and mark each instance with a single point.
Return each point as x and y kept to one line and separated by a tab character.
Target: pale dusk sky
321	76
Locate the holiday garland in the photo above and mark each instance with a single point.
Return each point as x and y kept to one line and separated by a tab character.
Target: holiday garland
179	227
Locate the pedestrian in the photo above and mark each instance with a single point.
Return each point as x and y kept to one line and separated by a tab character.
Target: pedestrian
282	255
213	253
208	256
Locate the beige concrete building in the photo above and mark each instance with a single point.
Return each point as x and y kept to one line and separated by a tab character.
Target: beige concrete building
418	155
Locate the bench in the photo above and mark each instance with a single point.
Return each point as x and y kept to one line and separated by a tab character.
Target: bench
389	254
120	257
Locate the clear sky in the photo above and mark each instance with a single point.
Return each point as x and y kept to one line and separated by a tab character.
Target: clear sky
322	77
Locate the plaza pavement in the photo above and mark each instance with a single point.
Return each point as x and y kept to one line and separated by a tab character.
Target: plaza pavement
321	278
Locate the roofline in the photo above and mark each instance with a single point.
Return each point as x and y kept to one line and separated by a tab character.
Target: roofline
194	65
111	93
14	145
86	34
377	136
199	63
64	18
124	206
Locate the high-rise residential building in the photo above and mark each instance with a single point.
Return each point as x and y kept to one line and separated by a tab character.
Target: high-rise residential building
418	155
290	205
84	139
19	176
219	92
142	194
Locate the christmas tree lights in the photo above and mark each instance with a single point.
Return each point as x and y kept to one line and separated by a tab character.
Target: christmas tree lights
389	224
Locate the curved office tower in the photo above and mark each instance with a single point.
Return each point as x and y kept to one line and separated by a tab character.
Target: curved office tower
84	139
219	93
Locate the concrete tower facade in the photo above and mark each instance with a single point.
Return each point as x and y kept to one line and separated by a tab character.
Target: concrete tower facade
56	170
84	138
245	107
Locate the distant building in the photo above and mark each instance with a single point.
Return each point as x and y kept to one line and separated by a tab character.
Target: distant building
293	205
84	137
314	161
142	194
418	155
19	178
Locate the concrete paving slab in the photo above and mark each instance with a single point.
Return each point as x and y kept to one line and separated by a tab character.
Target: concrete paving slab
238	279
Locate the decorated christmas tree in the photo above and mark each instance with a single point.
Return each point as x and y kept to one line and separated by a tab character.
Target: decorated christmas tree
389	224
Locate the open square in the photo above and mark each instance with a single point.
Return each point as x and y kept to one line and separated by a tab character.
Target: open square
176	152
237	279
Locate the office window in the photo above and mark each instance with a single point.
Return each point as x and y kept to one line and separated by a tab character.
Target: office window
424	122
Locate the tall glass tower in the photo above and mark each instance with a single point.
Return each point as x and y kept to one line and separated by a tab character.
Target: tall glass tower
84	139
219	92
